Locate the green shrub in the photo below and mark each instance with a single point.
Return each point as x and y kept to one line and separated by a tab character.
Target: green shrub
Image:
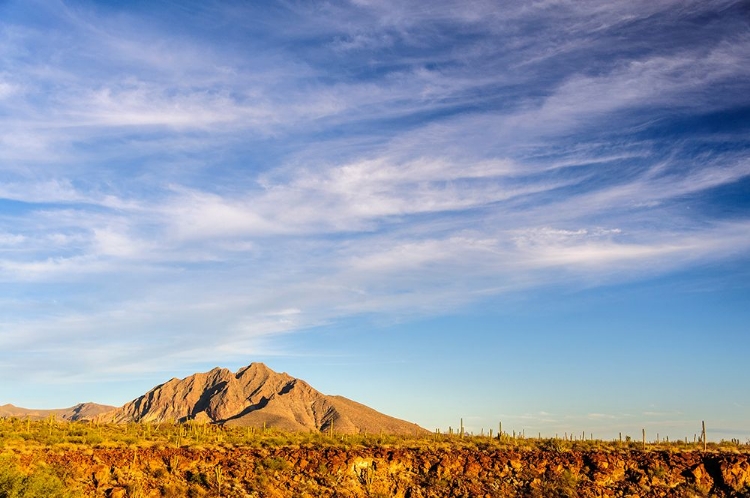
42	481
275	463
11	478
195	478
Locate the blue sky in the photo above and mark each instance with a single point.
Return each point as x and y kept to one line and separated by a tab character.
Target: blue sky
534	212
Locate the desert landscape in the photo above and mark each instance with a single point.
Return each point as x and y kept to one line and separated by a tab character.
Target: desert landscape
76	459
374	248
256	432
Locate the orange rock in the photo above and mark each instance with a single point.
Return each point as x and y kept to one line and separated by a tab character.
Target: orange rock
735	474
117	492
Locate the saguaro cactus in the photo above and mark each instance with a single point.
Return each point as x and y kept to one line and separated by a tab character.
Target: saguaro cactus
219	475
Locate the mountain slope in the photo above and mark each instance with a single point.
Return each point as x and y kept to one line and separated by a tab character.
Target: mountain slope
255	396
81	411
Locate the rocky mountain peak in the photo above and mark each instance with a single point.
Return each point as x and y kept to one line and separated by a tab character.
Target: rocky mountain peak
255	395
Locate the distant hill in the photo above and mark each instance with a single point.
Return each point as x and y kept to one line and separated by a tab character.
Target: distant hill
255	396
82	411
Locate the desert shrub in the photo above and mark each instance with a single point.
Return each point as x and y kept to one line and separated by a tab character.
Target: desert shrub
42	481
10	478
657	471
275	463
173	490
135	489
94	439
130	440
563	485
195	491
552	445
198	478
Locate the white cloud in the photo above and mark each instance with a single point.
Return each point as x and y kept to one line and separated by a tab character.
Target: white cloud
53	268
643	253
11	239
201	215
7	89
195	188
50	191
672	81
419	256
112	242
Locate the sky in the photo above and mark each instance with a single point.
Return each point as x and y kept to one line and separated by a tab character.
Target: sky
529	212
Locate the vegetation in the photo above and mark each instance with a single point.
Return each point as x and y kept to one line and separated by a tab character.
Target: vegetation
18	433
39	481
52	458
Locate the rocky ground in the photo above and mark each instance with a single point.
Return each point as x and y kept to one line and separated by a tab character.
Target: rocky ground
427	471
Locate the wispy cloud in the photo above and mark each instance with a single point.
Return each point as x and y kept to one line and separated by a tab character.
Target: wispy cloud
371	157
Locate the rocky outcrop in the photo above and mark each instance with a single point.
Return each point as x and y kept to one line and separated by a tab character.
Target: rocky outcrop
419	472
255	396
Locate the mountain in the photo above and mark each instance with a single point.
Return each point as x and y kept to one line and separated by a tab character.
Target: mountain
81	411
255	396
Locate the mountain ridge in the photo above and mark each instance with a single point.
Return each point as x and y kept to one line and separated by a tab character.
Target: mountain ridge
257	396
253	396
75	413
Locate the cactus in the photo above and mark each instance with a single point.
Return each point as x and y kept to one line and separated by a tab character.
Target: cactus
219	475
173	464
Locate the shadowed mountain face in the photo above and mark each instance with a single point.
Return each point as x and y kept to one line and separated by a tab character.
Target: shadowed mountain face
255	396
